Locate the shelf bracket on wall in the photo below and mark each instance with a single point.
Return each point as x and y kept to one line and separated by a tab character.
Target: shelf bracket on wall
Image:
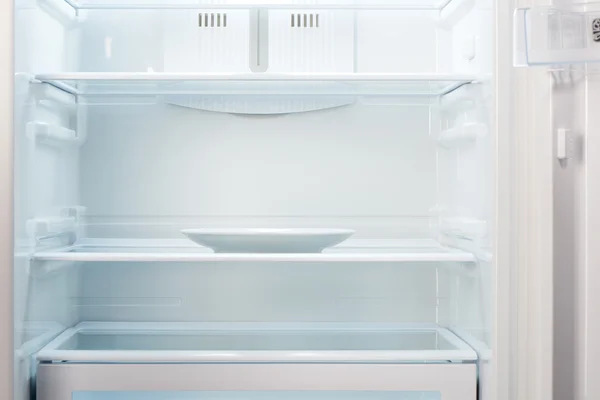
54	232
467	132
62	229
454	11
52	134
61	10
464	228
47	93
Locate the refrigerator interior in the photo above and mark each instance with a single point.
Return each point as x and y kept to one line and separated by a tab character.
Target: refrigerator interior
135	120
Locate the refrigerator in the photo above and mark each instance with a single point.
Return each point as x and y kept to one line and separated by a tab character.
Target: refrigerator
303	199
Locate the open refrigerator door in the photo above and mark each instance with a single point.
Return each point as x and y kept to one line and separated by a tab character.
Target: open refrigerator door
562	41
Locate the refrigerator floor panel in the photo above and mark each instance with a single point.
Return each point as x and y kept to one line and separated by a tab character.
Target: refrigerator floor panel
98	342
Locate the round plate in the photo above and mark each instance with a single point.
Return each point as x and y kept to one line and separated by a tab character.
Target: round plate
268	240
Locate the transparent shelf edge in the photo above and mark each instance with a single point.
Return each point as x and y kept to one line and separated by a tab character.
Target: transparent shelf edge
180	251
424	5
224	257
348	84
460	351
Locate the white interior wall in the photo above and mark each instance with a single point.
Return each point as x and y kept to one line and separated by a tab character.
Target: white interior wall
46	176
396	42
466	186
350	165
45	183
472	39
465	167
42	36
150	170
259	293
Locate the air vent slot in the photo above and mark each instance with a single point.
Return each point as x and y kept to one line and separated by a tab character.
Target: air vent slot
212	20
304	20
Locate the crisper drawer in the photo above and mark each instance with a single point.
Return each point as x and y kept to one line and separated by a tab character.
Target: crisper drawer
119	361
76	381
262	395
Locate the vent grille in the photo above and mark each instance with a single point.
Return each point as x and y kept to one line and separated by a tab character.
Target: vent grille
212	20
304	20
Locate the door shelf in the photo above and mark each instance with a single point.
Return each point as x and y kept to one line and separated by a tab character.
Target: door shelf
100	342
557	35
342	84
435	5
352	251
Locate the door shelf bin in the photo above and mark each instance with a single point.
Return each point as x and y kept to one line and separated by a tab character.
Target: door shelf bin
554	36
256	357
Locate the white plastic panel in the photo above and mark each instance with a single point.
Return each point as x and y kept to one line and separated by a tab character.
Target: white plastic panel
224	395
311	40
60	381
547	36
127	41
212	41
391	42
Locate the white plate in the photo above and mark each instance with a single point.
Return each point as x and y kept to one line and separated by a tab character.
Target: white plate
268	240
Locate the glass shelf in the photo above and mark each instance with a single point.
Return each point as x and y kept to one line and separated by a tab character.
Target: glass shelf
256	342
271	4
351	251
348	84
